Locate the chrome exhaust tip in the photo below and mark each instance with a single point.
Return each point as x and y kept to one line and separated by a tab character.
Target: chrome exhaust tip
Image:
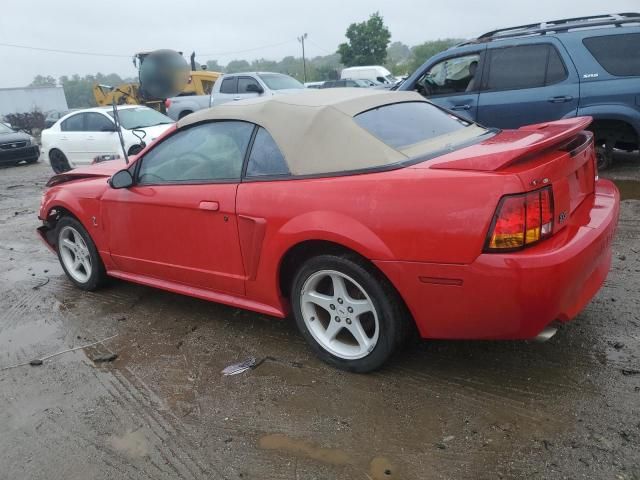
546	334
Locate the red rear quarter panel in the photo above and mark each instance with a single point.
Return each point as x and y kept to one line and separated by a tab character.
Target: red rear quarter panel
415	215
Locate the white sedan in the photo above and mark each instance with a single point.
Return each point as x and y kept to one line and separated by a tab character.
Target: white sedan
83	136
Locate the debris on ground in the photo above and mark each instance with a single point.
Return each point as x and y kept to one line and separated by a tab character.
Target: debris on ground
236	368
107	357
38	361
630	371
40	285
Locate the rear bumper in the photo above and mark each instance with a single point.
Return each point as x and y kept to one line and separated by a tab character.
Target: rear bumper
514	295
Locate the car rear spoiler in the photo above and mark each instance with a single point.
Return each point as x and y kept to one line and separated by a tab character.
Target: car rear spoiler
511	146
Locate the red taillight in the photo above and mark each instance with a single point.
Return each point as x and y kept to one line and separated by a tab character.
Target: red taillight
167	103
521	220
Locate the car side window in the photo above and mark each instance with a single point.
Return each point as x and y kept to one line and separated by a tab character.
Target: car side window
451	76
523	66
265	158
75	123
96	122
556	71
208	152
229	85
244	82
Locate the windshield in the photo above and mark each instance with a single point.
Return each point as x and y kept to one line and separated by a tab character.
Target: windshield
140	117
5	129
417	127
280	82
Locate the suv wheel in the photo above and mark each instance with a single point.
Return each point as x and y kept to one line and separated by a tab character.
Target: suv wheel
604	156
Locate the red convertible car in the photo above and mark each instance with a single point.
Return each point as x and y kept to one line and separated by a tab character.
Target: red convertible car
363	213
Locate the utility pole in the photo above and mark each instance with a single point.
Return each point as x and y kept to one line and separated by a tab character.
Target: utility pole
301	39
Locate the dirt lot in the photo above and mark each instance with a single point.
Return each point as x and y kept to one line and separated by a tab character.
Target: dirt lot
569	408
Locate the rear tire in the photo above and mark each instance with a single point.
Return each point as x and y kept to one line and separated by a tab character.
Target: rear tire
59	162
604	156
350	315
78	255
184	114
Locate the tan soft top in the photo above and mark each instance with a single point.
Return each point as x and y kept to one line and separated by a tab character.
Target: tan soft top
315	129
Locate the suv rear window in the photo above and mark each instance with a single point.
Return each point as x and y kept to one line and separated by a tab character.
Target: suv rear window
401	125
617	54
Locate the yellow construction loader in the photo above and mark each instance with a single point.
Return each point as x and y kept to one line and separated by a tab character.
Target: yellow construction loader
200	83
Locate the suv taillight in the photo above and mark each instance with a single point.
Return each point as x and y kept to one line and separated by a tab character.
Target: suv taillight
167	103
521	220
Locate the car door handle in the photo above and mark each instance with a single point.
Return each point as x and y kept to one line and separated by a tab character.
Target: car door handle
561	99
237	98
211	206
461	107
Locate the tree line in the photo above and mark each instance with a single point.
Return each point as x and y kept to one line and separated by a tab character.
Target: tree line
368	43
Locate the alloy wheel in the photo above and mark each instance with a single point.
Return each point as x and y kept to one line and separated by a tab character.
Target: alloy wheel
339	314
74	254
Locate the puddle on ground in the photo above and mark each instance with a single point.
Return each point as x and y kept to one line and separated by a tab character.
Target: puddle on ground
283	443
132	444
629	189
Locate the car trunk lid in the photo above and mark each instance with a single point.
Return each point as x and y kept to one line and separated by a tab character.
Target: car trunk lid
559	154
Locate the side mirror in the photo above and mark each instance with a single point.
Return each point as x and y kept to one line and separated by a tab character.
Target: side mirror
254	88
121	179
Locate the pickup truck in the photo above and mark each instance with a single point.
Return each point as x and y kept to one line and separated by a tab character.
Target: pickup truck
239	86
178	107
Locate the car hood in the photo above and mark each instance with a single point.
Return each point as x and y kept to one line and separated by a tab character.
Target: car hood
14	137
287	91
103	169
155	131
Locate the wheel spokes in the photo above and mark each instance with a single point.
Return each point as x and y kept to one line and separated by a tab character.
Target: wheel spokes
360	336
332	330
339	314
339	287
319	299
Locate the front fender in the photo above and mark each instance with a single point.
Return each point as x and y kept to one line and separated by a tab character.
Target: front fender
81	202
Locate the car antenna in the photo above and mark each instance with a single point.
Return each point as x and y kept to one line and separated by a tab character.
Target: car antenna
116	119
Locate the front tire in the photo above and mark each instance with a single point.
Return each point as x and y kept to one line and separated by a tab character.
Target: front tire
78	255
351	315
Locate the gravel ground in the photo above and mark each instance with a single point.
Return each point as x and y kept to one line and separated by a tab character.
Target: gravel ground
568	408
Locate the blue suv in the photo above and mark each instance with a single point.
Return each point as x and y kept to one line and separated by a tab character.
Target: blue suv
547	71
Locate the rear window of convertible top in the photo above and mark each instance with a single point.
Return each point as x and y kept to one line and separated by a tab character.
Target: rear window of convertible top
409	124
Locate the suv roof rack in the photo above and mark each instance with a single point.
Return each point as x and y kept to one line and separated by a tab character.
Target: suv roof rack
556	26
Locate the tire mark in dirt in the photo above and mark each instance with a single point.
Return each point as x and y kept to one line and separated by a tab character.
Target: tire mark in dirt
128	394
167	424
466	393
102	449
138	413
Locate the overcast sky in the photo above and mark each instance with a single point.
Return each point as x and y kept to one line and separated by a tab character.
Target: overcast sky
242	29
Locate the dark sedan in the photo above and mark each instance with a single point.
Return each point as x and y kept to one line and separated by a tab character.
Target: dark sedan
16	147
